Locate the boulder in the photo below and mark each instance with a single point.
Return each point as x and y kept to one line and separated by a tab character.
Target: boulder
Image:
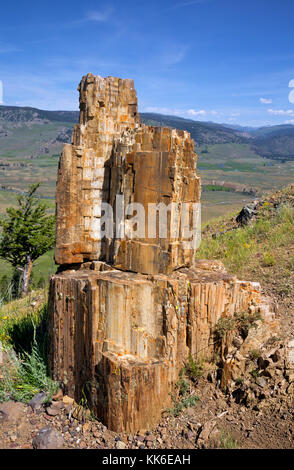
48	438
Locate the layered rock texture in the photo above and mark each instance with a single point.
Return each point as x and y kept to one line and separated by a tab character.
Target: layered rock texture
126	312
113	155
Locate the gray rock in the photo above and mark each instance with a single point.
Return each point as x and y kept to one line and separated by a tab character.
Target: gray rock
37	401
261	381
246	214
48	438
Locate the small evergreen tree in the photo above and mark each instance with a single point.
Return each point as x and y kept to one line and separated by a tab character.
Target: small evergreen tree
27	233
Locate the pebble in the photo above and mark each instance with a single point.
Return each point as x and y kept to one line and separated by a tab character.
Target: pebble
120	445
261	381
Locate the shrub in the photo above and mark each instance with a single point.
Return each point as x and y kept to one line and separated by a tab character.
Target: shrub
245	321
24	376
194	367
186	398
223	326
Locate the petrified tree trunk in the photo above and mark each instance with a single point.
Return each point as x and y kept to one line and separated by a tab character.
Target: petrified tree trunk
121	332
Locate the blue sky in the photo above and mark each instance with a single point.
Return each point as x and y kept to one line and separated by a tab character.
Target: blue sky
213	60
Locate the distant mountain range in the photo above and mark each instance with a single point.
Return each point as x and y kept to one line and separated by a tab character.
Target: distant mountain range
16	114
275	142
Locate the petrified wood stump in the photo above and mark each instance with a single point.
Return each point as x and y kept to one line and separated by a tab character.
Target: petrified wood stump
121	338
126	312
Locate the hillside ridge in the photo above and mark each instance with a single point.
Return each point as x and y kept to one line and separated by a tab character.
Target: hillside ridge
275	142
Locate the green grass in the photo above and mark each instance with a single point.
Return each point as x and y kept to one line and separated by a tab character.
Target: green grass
240	246
23	337
194	367
19	319
185	397
24	376
227	441
216	187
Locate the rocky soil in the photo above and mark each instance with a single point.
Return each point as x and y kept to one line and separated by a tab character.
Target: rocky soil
255	412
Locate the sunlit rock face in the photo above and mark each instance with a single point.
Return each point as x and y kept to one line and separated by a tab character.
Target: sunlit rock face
108	107
113	155
125	312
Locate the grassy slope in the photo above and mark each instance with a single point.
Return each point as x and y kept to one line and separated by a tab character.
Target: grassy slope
238	163
29	140
263	251
23	328
215	204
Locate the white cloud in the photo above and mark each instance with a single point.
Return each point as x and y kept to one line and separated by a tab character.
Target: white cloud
188	3
102	16
265	100
192	112
290	121
99	16
281	112
200	114
159	110
173	55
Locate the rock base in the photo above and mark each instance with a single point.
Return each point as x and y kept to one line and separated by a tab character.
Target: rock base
120	338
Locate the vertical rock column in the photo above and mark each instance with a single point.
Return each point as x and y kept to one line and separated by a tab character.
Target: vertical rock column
108	106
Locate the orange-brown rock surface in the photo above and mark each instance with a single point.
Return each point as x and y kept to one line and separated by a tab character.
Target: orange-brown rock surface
122	338
126	312
111	155
107	108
